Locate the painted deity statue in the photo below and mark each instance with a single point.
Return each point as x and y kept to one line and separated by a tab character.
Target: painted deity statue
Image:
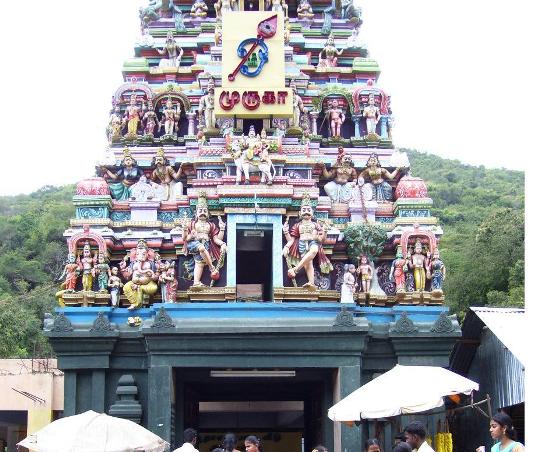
336	117
304	10
344	178
140	273
374	173
279	6
397	271
101	272
199	10
86	263
250	153
171	116
304	243
218	33
114	284
298	107
223	6
372	114
331	54
349	285
365	272
132	117
436	271
127	175
172	51
70	274
150	121
204	241
115	126
418	264
206	108
164	178
171	282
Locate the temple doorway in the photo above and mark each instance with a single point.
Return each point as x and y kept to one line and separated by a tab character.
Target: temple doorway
254	262
285	409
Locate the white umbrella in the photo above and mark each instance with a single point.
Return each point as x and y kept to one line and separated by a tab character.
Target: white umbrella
94	432
401	390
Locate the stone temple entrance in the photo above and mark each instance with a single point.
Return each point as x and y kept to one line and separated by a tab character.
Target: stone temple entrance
285	408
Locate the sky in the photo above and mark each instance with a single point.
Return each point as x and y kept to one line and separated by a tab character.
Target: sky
461	75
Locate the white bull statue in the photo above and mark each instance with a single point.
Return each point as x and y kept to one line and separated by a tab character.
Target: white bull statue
248	160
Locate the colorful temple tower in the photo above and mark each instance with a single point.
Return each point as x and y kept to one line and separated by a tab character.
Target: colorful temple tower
251	217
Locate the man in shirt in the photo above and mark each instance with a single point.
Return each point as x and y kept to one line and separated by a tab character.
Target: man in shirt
415	433
189	441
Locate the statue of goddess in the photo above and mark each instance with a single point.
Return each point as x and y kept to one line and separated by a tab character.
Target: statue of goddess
114	284
348	284
171	116
172	50
129	172
331	54
372	114
436	271
101	272
132	117
376	174
150	120
298	107
397	271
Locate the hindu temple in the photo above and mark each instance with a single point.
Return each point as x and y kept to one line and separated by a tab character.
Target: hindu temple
253	247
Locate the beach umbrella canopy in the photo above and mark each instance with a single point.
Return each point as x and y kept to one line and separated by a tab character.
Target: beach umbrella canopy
94	432
401	390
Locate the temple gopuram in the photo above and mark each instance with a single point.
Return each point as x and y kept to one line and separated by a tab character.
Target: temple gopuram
253	247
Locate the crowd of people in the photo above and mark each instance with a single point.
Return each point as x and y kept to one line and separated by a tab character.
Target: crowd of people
412	438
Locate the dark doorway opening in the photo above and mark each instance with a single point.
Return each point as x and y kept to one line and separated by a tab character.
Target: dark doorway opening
254	262
284	412
257	123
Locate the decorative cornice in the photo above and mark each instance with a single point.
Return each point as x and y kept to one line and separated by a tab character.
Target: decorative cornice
61	324
443	325
344	318
162	320
101	324
404	325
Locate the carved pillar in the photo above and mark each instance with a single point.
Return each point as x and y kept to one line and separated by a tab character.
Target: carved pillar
314	115
384	126
191	118
356	119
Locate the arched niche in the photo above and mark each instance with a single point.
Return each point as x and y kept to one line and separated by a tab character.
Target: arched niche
417	233
87	235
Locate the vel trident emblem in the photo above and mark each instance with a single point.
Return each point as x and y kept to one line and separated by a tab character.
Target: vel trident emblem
266	29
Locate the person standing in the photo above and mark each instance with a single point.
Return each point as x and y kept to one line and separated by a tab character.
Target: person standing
501	429
372	445
415	433
229	443
189	441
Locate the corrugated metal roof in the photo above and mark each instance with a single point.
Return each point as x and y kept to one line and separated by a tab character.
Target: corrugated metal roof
509	325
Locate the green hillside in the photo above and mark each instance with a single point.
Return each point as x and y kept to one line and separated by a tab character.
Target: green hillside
481	211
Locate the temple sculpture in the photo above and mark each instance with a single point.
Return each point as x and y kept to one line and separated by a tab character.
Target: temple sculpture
281	127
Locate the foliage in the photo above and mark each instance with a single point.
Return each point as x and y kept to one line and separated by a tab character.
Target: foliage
364	238
32	254
482	214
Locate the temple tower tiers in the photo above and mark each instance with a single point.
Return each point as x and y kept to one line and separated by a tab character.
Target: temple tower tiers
250	159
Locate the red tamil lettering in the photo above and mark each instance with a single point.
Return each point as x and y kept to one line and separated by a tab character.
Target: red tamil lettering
251	100
281	97
268	97
229	100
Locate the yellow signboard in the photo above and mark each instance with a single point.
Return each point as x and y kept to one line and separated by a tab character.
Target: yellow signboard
253	66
